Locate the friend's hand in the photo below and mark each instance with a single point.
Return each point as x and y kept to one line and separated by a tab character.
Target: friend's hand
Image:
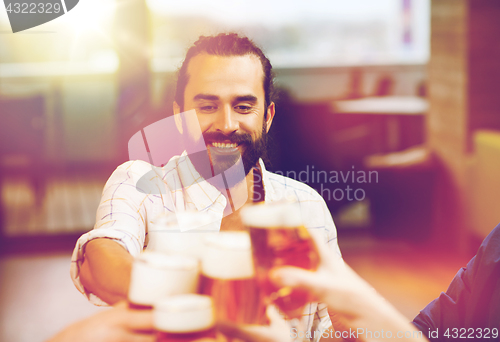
333	283
277	331
352	302
118	324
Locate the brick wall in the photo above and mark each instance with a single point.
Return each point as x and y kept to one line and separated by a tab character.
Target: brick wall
464	82
484	64
447	120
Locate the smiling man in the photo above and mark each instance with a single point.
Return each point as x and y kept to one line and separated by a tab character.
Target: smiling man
223	103
228	83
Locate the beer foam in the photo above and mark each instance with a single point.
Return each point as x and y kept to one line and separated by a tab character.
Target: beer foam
185	221
163	261
181	233
198	221
177	243
163	221
277	215
228	255
184	313
155	276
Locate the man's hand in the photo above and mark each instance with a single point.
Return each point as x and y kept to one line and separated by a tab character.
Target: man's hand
106	270
118	324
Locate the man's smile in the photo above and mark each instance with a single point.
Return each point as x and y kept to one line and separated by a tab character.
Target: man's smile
224	145
225	148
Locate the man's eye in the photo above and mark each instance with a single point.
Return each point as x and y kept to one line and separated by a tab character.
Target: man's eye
243	109
208	108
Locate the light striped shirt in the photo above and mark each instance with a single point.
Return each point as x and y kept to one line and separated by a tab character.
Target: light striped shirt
125	212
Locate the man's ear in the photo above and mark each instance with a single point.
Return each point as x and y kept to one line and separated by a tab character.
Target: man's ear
177	117
270	116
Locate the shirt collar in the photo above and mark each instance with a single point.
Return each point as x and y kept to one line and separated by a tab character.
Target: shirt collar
269	191
202	193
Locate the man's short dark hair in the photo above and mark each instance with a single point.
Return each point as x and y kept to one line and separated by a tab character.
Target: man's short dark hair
225	44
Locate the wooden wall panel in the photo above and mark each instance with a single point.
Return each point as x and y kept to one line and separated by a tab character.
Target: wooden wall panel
464	81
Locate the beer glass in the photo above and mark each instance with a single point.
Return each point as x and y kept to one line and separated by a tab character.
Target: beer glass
184	318
181	233
155	276
227	274
279	238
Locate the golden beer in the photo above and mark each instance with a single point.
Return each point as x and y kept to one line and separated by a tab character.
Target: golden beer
280	239
227	274
184	318
236	300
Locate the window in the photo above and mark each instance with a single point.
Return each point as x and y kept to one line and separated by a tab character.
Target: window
298	33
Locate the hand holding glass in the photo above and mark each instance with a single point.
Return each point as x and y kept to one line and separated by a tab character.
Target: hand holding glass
279	238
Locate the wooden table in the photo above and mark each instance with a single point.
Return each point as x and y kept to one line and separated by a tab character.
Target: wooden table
394	109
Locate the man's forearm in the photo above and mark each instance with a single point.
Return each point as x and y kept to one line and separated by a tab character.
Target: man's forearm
106	269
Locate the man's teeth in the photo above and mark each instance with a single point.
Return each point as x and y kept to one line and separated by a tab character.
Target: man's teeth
222	145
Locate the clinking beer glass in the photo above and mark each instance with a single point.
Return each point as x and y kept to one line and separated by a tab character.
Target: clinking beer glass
185	318
181	233
279	238
228	275
155	276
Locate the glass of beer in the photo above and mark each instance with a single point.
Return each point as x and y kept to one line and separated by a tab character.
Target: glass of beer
155	276
184	318
279	238
228	275
181	233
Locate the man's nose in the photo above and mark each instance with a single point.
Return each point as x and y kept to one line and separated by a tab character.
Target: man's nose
227	121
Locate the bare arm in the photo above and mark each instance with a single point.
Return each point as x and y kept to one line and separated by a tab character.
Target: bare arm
106	269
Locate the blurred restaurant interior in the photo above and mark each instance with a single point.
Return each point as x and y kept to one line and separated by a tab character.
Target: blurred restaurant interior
387	108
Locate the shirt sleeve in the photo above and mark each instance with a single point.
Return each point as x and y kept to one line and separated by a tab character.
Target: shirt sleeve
472	299
448	307
121	216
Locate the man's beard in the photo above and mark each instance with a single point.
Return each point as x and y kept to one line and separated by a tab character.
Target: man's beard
216	161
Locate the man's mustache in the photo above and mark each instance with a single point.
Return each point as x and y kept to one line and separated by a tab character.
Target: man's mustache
236	138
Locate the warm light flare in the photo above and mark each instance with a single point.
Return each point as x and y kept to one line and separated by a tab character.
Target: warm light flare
89	17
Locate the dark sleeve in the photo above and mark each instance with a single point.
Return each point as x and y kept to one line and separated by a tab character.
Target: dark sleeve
472	299
447	310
